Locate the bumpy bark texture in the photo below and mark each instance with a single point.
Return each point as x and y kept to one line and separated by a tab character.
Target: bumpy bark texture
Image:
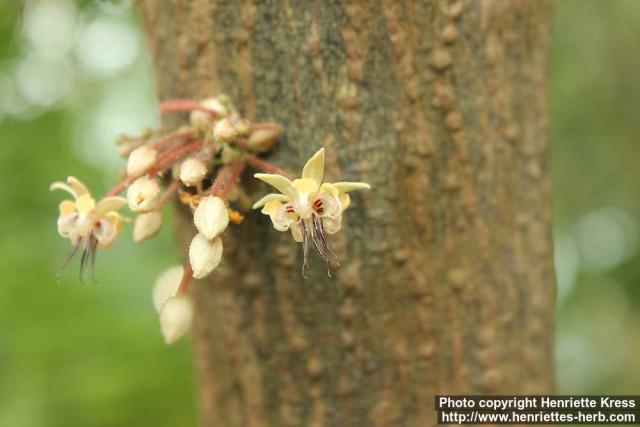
446	283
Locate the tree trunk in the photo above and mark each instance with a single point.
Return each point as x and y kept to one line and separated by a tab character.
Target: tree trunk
446	284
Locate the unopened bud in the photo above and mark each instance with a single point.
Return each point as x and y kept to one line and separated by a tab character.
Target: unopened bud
192	172
166	285
146	226
176	317
243	126
211	217
125	148
143	195
264	139
141	160
225	131
203	119
204	255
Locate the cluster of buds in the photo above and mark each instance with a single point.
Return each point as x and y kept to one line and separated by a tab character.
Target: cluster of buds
200	165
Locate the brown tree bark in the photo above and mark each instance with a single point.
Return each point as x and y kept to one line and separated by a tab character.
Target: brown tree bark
446	283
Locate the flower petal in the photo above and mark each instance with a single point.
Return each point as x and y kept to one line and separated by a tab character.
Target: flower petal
64	187
314	168
280	218
268	198
345	187
332	225
84	204
79	188
279	182
105	232
109	204
66	207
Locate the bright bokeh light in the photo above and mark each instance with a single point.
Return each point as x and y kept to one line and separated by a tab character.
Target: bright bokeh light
606	238
107	45
50	25
566	263
44	78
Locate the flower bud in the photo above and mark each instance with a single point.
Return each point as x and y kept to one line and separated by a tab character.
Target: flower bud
263	139
224	131
141	160
166	285
203	119
146	226
192	172
211	217
204	255
243	126
176	316
143	195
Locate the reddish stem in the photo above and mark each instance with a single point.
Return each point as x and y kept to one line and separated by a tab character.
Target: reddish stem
219	181
186	279
171	189
170	137
119	188
169	157
183	106
265	166
236	171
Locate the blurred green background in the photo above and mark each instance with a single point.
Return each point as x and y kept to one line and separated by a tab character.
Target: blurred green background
75	74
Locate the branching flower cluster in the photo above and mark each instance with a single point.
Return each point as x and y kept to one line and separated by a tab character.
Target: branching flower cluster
200	165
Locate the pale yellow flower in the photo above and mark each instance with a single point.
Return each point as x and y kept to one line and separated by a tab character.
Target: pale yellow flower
307	206
87	223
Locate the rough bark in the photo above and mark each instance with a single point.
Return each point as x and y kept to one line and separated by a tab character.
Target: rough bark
446	283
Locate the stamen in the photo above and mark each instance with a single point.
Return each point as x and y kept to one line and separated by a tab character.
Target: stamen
70	256
317	241
93	250
321	241
83	261
305	246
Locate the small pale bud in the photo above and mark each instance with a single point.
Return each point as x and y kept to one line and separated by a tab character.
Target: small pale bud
204	255
224	131
143	195
192	172
264	139
211	217
243	126
176	316
125	148
203	119
166	285
141	160
146	226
